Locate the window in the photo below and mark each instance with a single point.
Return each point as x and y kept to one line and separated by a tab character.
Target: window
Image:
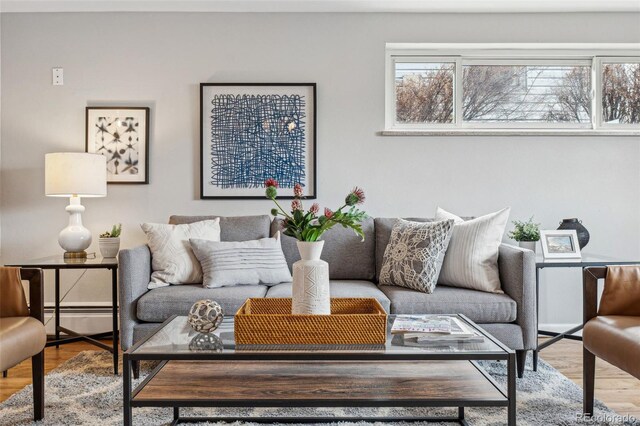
511	88
620	92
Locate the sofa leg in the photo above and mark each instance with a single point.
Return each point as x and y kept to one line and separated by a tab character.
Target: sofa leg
135	366
588	380
521	360
37	373
5	373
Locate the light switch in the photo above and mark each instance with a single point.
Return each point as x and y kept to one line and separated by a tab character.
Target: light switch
58	77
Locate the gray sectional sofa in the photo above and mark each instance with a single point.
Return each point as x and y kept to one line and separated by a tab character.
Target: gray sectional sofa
353	267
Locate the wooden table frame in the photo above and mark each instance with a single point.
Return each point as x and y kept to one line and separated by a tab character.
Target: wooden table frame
131	356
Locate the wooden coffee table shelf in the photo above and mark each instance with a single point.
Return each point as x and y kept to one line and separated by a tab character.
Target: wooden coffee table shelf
390	375
240	383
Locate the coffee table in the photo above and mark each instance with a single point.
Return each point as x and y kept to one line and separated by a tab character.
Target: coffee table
219	373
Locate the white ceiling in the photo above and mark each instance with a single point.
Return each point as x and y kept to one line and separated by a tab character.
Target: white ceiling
405	6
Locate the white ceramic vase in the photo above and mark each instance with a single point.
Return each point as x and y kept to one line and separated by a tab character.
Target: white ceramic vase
311	281
529	245
109	247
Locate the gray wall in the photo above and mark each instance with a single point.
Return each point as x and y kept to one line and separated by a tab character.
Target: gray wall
159	59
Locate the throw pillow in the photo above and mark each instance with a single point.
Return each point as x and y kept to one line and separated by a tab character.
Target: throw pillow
172	259
471	260
241	262
414	255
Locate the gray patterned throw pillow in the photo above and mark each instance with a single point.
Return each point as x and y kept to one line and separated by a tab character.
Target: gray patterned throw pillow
414	255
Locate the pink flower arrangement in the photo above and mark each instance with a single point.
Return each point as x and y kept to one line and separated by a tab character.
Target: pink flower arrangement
307	225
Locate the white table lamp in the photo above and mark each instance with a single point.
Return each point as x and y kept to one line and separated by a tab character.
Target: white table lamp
75	175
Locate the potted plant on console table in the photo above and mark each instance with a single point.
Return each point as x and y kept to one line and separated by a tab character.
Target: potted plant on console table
109	242
311	274
526	233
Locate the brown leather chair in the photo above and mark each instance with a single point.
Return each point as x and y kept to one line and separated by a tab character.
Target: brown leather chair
612	331
22	332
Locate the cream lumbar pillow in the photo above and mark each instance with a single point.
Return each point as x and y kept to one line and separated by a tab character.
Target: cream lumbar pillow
471	260
172	259
231	263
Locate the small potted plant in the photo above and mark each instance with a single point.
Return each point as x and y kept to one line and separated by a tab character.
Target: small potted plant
109	242
526	233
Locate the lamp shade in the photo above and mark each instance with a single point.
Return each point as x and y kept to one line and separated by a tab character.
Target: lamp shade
75	173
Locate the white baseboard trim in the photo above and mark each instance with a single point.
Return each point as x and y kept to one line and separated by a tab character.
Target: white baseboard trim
558	328
83	321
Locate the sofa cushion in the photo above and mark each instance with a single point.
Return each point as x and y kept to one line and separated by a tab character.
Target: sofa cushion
472	257
233	228
383	228
414	255
159	304
348	256
340	288
173	260
231	263
479	306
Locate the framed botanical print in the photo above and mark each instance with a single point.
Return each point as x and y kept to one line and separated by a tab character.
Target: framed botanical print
251	132
122	135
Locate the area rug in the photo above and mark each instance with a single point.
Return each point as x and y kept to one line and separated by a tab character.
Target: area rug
82	391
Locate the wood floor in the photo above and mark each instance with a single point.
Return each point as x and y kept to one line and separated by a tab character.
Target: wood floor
617	389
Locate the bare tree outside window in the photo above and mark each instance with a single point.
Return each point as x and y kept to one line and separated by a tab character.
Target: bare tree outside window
424	92
621	93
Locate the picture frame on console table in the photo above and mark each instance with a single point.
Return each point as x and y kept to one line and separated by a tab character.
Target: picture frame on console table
560	244
122	135
250	132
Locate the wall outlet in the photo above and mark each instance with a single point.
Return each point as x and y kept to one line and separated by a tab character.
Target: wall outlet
57	77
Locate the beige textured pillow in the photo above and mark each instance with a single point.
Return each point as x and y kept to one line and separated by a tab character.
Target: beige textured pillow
471	260
173	261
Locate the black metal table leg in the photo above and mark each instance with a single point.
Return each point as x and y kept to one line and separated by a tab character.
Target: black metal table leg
57	304
114	313
535	351
511	390
126	390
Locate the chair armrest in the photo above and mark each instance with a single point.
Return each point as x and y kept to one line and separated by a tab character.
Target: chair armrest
590	277
36	292
134	274
518	279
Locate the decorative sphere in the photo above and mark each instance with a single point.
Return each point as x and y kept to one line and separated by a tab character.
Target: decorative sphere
205	316
206	342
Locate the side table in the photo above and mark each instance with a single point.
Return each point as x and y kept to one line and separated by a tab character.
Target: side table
586	261
56	263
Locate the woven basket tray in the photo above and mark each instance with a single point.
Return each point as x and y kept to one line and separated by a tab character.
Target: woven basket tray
269	321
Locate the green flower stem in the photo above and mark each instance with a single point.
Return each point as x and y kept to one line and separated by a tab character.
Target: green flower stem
281	209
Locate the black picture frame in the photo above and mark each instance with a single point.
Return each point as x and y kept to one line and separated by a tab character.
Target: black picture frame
310	143
144	177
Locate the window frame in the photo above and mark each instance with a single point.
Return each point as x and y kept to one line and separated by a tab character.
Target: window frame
592	55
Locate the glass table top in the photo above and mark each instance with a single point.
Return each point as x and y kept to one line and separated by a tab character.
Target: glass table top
587	259
176	337
60	261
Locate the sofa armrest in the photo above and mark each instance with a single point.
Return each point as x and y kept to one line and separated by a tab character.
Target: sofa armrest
134	273
518	278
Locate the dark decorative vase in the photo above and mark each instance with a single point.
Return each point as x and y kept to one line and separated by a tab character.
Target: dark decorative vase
574	223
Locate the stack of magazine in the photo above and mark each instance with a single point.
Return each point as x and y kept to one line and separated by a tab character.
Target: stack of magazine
423	330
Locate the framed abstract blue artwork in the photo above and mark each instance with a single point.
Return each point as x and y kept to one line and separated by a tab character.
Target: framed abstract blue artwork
251	132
